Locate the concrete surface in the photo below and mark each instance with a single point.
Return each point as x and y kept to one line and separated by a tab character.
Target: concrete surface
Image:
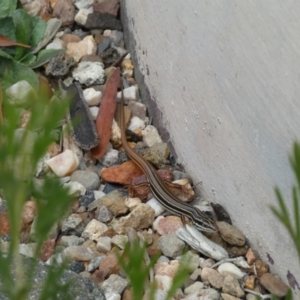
222	81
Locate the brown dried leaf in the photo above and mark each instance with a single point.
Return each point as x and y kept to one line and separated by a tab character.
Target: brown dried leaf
6	42
106	113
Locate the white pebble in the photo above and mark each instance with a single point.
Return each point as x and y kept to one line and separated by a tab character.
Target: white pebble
151	136
158	208
136	124
56	44
132	203
130	93
92	97
89	73
104	244
81	16
20	93
94	112
75	188
83	3
98	195
64	163
110	158
232	269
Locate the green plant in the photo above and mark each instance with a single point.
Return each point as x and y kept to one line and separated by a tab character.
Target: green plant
19	156
16	63
292	224
137	271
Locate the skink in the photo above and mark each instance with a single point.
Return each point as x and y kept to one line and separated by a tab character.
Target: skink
158	188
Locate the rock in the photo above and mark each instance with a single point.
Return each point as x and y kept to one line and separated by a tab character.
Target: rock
80	288
71	240
151	136
73	224
115	36
85	47
92	58
65	11
138	109
141	217
166	268
37	7
127	68
211	276
250	256
69	38
94	112
79	253
260	267
55	44
170	245
120	241
169	225
103	214
108	266
84	132
114	201
109	57
250	282
158	208
29	212
232	287
231	234
104	244
103	46
82	15
92	97
102	21
114	284
231	269
83	3
110	158
130	94
75	188
87	198
76	266
194	288
108	6
136	124
274	285
27	249
94	263
20	94
4	224
122	174
64	163
228	297
89	180
94	230
88	73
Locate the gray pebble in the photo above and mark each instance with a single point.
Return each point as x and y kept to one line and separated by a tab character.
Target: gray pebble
89	180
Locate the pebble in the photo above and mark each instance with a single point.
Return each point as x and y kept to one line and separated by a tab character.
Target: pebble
274	285
56	44
89	73
103	214
75	188
169	225
114	284
136	124
232	287
130	94
89	180
82	15
231	269
151	136
79	253
64	163
137	109
60	65
230	234
20	93
92	97
94	112
170	245
119	240
71	240
72	225
93	230
104	244
107	6
103	46
110	158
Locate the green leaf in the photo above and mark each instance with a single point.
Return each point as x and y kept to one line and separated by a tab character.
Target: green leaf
7	7
28	59
4	54
7	29
38	31
44	56
23	26
12	71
